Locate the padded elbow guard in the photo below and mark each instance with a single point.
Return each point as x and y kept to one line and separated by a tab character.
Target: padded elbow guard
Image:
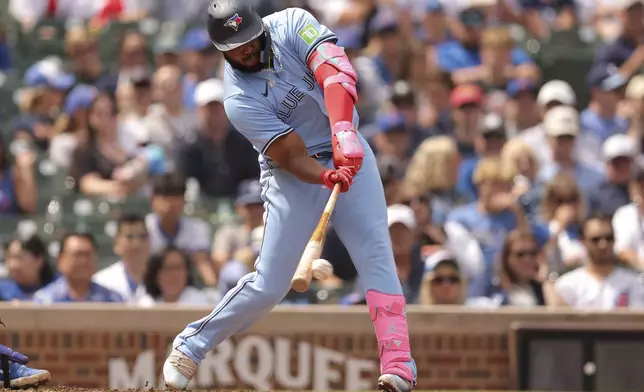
330	53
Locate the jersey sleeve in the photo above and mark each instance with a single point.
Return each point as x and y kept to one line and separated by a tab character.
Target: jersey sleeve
255	120
306	32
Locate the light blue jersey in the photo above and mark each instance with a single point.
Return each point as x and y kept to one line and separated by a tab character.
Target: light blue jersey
266	105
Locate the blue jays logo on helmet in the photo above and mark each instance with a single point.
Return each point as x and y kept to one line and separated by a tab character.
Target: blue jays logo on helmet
234	22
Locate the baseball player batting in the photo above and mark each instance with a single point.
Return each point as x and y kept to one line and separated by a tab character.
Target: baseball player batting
292	92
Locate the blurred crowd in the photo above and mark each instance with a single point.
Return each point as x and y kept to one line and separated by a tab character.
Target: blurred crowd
505	186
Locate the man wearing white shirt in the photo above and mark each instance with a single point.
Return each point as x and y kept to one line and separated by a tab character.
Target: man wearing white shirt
167	225
133	246
601	284
629	224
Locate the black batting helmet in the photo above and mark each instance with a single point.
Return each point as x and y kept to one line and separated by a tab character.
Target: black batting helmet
233	23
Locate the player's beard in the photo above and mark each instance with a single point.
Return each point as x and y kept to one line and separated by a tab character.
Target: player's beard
244	68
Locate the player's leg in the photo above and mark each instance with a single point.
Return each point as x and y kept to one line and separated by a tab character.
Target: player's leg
292	211
360	219
20	375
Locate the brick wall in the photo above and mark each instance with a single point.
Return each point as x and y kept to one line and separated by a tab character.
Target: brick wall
290	348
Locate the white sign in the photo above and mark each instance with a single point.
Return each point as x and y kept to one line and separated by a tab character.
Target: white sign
316	366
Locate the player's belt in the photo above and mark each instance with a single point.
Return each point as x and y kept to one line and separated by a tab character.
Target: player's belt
323	155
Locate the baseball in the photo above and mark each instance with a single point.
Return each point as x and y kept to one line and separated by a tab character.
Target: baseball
322	269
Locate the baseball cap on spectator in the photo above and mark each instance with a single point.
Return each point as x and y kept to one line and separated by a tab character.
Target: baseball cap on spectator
349	38
618	146
466	94
561	121
402	94
391	122
635	88
50	73
492	124
79	98
400	213
211	90
250	192
518	86
441	257
606	78
196	40
556	91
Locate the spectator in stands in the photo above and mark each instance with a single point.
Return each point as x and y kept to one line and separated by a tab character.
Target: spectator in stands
520	157
45	85
563	210
601	120
233	237
84	61
619	153
433	24
76	263
601	284
522	111
169	279
18	188
435	110
434	170
138	88
484	55
487	221
629	225
552	94
627	52
219	158
518	282
133	56
201	61
635	109
132	245
488	142
402	226
443	281
396	137
467	113
168	124
28	269
168	227
72	125
387	48
561	125
95	162
371	88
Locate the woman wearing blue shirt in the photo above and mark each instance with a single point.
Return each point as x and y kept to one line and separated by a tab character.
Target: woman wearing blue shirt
28	269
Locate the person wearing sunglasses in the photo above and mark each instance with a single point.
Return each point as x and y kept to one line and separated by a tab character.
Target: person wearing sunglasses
562	209
601	284
518	281
443	281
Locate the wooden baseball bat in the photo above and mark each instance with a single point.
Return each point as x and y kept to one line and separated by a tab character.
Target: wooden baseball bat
304	272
